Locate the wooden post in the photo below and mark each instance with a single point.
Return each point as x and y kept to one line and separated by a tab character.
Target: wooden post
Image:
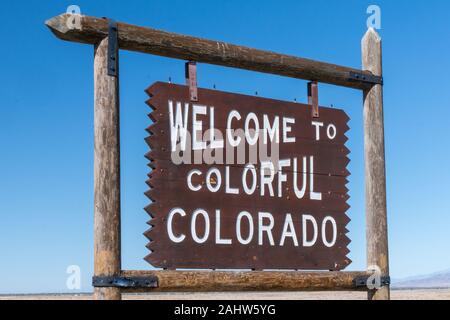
376	212
228	281
107	259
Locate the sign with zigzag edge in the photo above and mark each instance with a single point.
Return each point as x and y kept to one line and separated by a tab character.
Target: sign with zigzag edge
244	182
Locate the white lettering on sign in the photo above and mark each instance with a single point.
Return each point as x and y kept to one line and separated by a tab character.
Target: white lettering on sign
265	228
288	231
331	130
271	130
312	221
228	188
172	236
287	171
234	142
282	177
262	178
252	134
179	120
219	239
317	125
308	230
267	176
331	243
287	129
300	193
197	127
251	190
249	218
213	180
195	215
189	180
178	125
215	144
314	195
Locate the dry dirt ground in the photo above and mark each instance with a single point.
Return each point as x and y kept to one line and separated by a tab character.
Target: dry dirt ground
420	294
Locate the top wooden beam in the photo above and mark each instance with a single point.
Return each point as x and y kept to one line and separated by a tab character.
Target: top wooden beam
147	40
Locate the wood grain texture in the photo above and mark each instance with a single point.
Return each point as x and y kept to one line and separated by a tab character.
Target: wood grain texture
375	173
169	189
106	174
147	40
222	281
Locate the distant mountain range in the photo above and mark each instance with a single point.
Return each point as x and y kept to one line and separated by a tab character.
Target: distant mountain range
439	279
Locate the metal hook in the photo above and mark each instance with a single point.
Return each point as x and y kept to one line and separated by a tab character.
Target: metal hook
313	98
191	79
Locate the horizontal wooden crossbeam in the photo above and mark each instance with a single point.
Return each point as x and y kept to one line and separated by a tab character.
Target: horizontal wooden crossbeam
219	281
92	30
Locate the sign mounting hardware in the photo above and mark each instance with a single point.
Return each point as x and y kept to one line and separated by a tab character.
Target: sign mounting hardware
361	282
124	282
191	80
313	98
113	48
359	76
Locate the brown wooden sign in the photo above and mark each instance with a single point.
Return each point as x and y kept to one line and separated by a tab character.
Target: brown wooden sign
243	182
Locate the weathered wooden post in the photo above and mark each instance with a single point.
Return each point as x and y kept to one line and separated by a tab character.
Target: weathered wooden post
376	211
107	258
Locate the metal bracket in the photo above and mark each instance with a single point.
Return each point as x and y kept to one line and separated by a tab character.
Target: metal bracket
361	282
313	98
359	76
113	48
124	282
191	79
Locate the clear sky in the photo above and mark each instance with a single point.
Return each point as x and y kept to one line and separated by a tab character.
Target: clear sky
46	122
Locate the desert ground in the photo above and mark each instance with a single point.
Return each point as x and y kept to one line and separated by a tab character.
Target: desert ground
404	294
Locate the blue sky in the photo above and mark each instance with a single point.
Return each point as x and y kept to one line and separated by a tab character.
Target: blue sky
46	122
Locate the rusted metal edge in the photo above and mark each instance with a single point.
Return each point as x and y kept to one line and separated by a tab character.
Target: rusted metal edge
361	282
113	48
191	79
313	98
188	48
368	78
124	282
